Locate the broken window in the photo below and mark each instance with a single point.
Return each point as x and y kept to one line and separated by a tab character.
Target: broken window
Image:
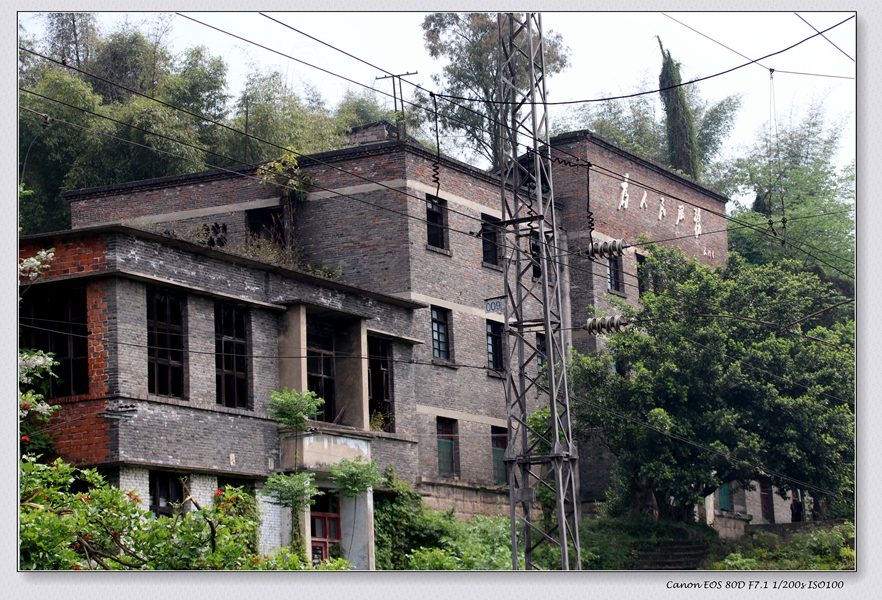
320	375
448	447
165	343
441	347
494	345
490	239
380	385
166	493
436	212
53	319
499	442
231	355
541	350
324	518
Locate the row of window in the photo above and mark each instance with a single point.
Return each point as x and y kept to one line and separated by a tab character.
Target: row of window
54	320
442	346
448	450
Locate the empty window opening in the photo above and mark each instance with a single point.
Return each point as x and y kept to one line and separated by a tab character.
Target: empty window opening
165	343
267	224
320	373
448	447
536	253
380	405
53	319
231	355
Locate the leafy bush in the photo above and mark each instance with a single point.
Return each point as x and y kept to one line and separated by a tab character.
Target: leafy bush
807	551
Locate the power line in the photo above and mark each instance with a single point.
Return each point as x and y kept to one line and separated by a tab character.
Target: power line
825	37
748	58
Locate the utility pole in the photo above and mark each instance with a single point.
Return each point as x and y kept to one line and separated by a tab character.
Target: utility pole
544	458
395	95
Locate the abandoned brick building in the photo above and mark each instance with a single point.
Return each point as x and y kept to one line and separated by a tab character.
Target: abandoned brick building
170	341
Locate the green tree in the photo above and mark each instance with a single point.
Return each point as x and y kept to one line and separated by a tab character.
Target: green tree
750	363
791	178
356	109
354	478
275	117
679	124
51	137
71	36
297	492
469	43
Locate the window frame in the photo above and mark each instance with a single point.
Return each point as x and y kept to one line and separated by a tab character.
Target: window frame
642	286
174	493
55	319
436	223
536	253
322	380
495	346
615	279
490	240
327	515
442	339
541	350
498	446
174	334
380	392
239	365
447	431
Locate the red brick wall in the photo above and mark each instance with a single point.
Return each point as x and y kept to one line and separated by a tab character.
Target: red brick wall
77	256
83	437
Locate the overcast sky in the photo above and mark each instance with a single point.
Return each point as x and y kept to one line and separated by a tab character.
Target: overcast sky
611	53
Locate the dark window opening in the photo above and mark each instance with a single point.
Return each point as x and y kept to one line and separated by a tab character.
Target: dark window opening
165	343
435	212
441	333
166	492
267	224
448	447
536	253
641	275
541	350
495	359
614	274
231	355
380	405
53	319
324	521
490	240
320	375
499	442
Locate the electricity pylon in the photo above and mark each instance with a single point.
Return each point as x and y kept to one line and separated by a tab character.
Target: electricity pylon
542	461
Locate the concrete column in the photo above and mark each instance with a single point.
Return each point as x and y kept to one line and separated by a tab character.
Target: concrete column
292	348
361	553
352	373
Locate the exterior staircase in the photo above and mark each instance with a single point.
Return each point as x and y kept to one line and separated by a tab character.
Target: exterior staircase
672	555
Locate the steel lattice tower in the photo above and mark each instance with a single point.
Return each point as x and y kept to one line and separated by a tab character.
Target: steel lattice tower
541	460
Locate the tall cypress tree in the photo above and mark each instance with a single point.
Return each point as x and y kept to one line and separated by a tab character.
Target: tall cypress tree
679	123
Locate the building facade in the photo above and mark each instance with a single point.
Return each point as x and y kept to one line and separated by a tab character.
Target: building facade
171	336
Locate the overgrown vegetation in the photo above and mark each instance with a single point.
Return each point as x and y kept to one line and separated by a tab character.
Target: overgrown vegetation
815	550
410	536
